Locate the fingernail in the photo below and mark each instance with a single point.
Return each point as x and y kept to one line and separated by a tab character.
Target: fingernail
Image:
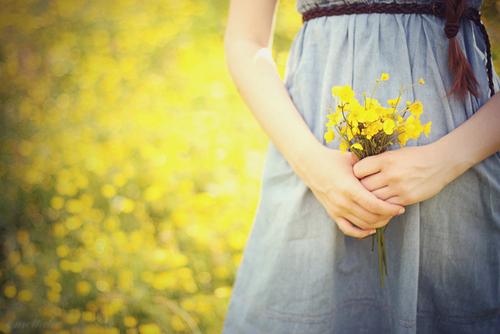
373	231
401	211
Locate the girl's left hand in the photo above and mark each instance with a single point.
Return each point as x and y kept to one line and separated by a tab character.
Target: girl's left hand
404	176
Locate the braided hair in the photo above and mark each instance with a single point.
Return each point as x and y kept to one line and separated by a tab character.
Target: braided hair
464	75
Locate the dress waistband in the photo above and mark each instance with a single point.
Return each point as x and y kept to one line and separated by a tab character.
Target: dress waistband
437	9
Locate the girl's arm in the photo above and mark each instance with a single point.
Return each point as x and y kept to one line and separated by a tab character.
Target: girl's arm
328	174
410	175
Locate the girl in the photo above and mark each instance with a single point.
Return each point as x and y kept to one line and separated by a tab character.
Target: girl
304	269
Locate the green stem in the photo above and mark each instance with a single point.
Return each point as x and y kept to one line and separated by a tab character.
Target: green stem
380	259
383	249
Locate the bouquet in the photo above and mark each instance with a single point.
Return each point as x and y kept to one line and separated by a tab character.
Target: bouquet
371	129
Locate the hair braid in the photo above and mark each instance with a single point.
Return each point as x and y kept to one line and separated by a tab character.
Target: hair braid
464	76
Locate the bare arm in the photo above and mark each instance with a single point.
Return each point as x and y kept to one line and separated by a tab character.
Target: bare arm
414	174
328	174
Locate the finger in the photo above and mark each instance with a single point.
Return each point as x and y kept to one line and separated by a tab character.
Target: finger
396	200
350	230
371	203
373	182
381	223
348	207
367	166
384	193
354	157
362	218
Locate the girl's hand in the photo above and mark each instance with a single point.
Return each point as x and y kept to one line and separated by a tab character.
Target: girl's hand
405	176
356	211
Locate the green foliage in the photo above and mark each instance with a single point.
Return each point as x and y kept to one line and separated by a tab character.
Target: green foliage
126	195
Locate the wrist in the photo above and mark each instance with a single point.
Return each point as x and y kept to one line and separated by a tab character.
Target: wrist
300	154
309	159
452	162
473	141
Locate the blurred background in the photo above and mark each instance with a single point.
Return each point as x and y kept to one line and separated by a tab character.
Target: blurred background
130	167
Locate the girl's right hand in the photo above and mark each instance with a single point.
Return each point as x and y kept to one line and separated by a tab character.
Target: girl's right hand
357	212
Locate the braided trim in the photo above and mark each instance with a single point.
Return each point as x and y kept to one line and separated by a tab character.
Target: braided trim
437	9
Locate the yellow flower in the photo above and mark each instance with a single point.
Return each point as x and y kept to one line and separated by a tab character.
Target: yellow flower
346	94
10	291
343	147
88	316
334	118
336	90
354	123
389	126
380	111
394	102
108	190
355	131
371	115
416	109
349	133
23	237
421	81
329	136
352	104
149	329
130	321
25	295
384	77
62	251
371	103
53	296
337	117
83	288
356	116
72	316
357	146
403	138
413	127
427	128
373	129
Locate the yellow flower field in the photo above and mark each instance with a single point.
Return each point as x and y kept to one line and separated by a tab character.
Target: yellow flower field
129	166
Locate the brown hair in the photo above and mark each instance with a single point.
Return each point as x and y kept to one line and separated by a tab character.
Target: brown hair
464	76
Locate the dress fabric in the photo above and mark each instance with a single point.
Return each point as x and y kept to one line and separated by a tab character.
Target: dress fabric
300	274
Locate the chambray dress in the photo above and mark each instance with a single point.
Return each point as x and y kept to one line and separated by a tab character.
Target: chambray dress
300	273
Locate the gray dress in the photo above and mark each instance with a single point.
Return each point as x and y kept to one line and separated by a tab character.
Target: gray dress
300	273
